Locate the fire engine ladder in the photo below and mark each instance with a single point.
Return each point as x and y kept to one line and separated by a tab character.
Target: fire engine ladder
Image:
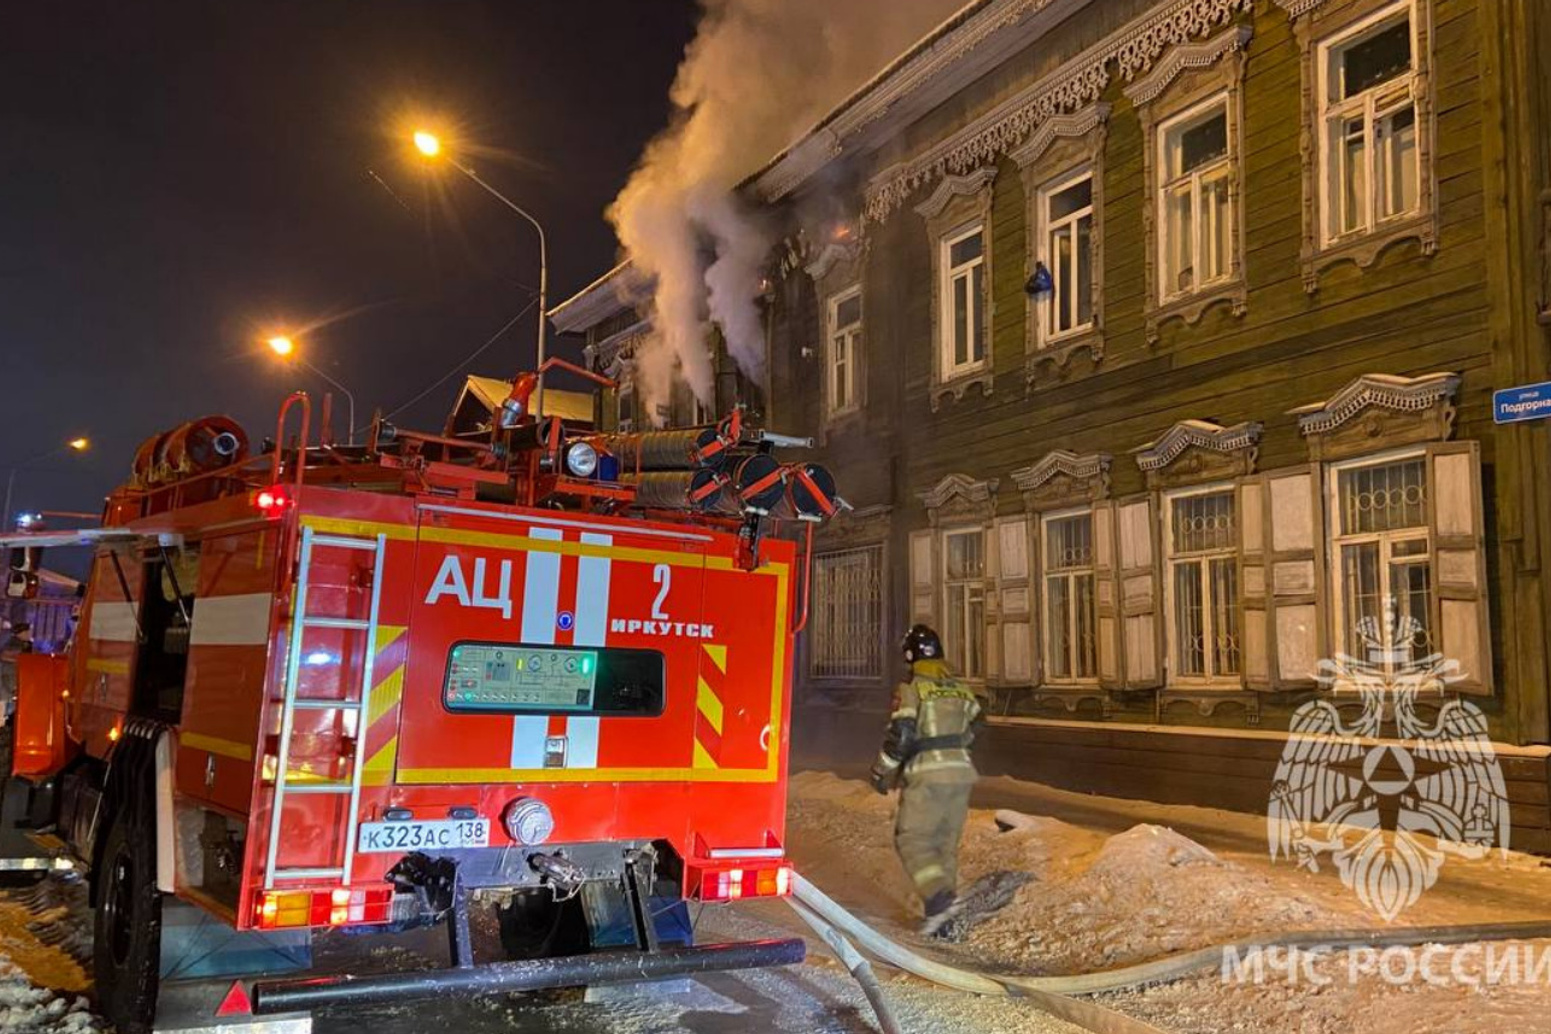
301	621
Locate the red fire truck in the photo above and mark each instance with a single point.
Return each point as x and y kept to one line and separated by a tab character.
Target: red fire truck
536	672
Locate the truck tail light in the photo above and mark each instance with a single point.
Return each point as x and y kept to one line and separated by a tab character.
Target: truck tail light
342	906
273	501
748	881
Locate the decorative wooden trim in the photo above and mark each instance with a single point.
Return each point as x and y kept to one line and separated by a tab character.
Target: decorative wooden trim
1054	362
1312	26
1206	703
1187	55
1056	150
835	253
1394	411
1062	478
1296	8
1072	699
959	200
1060	127
1198	434
967	185
960	50
958	499
1076	84
1184	91
863	526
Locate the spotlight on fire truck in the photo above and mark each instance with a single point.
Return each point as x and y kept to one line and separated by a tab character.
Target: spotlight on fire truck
581	459
528	821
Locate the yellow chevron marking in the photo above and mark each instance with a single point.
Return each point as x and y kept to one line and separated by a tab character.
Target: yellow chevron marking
702	758
378	770
710	706
387	635
718	655
386	695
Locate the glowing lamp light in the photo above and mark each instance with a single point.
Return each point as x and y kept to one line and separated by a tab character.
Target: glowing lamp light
79	444
281	345
427	143
272	502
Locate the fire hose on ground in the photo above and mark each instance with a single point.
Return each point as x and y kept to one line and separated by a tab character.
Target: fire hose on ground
1056	995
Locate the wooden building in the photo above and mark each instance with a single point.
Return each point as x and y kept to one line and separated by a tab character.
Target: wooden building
1154	342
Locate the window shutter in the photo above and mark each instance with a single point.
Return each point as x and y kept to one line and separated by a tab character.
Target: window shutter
923	577
1138	595
1008	601
1294	501
1255	618
1106	589
1459	563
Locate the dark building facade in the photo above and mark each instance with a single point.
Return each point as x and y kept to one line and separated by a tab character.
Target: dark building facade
1154	344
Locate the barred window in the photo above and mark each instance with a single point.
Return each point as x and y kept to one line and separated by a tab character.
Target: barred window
1203	616
847	628
1070	617
964	601
1383	557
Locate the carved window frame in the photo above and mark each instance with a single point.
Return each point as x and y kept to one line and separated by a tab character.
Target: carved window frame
838	273
1196	75
1317	27
959	203
1056	154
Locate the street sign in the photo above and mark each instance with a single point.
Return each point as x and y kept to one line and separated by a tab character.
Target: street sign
1528	402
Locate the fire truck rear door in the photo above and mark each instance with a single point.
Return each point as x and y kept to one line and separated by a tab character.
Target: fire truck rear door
542	646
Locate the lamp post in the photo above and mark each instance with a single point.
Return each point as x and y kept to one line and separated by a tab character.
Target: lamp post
73	445
285	348
430	146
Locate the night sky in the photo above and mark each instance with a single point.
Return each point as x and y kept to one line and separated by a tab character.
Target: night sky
180	179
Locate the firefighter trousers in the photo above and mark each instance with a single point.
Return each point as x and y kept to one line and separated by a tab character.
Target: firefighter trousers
927	831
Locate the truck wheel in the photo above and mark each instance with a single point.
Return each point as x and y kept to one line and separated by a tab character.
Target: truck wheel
126	952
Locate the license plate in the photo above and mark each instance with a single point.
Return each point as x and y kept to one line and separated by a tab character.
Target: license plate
419	836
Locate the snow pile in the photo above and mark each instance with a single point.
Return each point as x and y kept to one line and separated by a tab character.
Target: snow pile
27	1007
1093	902
1146	892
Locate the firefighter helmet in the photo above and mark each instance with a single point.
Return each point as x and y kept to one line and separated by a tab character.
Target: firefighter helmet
921	644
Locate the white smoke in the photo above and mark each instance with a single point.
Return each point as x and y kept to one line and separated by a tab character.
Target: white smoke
757	74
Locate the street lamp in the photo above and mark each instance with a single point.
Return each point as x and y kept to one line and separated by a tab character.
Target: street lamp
73	445
429	145
285	348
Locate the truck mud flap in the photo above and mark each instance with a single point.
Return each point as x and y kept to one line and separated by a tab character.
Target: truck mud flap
305	994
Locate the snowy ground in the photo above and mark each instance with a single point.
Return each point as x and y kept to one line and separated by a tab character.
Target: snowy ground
1113	883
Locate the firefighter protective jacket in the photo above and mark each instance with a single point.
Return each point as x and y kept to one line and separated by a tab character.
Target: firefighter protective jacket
932	727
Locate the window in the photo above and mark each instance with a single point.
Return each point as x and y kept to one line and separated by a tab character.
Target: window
847	629
1196	218
1367	103
1066	211
1382	556
964	601
963	328
1069	612
625	397
845	339
1203	588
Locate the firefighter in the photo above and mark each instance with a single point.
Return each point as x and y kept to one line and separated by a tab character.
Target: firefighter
926	753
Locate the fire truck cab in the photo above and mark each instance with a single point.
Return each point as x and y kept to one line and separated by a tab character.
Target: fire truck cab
421	681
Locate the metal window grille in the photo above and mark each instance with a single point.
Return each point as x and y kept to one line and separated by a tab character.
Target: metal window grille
1385	559
1203	555
847	625
1070	607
